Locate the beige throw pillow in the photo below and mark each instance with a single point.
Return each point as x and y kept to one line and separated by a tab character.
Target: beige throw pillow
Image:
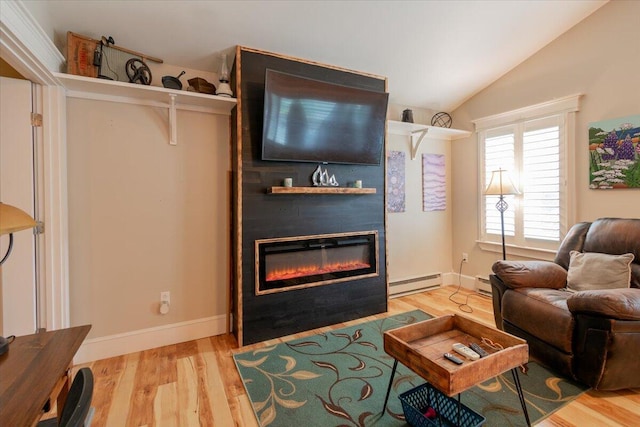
592	270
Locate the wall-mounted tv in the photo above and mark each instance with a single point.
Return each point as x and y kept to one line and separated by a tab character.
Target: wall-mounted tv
307	120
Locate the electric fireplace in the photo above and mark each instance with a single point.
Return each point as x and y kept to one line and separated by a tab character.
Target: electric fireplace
284	264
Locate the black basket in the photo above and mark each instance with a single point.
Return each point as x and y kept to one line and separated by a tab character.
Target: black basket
416	401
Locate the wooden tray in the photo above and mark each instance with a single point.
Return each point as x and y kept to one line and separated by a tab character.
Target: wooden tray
421	347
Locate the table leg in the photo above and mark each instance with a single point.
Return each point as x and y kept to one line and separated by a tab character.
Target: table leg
516	380
393	373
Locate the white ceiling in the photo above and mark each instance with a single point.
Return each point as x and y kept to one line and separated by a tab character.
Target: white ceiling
436	54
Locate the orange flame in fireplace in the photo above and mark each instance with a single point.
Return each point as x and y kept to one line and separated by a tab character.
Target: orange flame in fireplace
311	270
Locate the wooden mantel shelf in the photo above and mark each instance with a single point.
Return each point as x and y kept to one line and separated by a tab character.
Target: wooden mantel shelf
320	190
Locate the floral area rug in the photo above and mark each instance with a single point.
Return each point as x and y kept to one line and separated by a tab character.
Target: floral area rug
340	378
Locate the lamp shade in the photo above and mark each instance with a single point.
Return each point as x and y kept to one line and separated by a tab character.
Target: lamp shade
13	219
500	184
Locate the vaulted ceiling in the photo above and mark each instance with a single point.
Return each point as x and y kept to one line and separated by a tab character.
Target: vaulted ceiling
436	54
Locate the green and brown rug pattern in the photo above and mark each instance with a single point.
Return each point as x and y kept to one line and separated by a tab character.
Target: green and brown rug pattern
340	378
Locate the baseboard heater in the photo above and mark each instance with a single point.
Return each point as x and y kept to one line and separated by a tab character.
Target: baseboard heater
483	286
416	284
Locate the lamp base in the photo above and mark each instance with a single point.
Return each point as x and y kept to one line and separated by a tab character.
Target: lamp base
224	90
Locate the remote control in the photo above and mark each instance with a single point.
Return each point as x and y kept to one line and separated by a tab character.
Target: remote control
465	351
481	352
454	359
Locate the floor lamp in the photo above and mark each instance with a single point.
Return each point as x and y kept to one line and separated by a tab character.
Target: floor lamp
501	185
12	220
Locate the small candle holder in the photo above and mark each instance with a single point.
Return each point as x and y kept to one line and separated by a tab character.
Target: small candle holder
288	182
358	183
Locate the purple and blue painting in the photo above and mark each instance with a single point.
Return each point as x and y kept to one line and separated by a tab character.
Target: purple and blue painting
614	153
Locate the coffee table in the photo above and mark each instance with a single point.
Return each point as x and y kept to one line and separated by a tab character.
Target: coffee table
421	347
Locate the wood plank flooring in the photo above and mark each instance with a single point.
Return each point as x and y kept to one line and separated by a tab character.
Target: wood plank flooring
196	383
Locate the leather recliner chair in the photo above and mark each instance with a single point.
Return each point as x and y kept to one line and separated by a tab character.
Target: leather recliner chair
592	336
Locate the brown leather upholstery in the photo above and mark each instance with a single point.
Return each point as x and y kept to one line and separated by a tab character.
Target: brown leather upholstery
528	274
627	240
546	317
593	336
621	304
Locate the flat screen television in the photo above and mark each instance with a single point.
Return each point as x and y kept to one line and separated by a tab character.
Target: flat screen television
307	120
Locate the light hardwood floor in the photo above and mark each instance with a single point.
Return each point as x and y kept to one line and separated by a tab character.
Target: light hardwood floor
196	382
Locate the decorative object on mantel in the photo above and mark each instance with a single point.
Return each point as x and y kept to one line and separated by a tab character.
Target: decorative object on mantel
223	88
200	85
138	72
357	183
407	116
171	82
441	119
501	185
614	153
98	56
288	182
321	178
90	58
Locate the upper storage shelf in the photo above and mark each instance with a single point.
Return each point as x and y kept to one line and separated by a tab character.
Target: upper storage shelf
109	90
412	130
130	93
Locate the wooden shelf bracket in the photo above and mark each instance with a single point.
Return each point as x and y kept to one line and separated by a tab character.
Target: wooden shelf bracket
415	146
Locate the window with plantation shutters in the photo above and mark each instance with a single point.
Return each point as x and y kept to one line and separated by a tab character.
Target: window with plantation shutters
532	145
499	153
540	179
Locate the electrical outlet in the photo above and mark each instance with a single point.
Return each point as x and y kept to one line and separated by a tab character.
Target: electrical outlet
465	257
165	297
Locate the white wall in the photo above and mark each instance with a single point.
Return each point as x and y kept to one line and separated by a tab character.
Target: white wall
146	216
419	243
600	58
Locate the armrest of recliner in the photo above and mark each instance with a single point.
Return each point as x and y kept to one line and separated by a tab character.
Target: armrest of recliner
530	274
620	304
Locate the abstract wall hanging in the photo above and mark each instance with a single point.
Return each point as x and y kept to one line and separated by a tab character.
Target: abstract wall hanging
434	185
395	181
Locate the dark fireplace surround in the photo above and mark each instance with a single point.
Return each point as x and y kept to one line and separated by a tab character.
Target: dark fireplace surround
314	225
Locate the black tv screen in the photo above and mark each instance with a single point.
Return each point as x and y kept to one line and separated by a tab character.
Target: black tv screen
308	120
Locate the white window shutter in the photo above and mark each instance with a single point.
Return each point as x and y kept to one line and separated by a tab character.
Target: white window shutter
499	148
541	179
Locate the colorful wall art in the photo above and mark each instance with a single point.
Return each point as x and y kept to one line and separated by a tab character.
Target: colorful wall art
434	185
614	153
395	181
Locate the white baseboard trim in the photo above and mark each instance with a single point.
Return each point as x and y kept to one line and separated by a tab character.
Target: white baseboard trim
144	339
467	282
414	285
